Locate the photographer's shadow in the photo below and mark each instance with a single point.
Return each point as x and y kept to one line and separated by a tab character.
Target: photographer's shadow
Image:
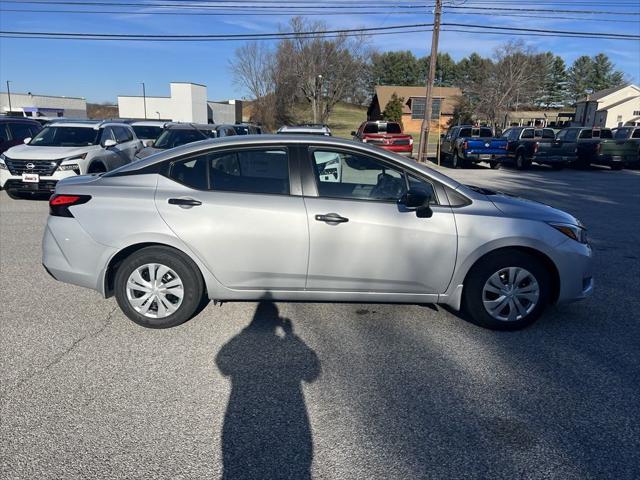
266	432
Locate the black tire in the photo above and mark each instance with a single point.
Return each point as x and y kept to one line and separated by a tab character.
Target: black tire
193	285
96	167
472	295
455	160
521	162
494	165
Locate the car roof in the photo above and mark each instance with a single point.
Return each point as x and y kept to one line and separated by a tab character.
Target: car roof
148	123
191	126
4	119
312	129
95	124
279	140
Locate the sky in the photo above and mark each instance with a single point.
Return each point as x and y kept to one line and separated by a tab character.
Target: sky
100	71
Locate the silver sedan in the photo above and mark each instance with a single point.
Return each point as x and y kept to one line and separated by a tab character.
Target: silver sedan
302	218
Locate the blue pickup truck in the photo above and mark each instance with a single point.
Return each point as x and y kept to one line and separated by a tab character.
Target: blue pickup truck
464	145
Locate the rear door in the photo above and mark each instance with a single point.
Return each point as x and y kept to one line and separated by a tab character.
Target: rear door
242	216
361	240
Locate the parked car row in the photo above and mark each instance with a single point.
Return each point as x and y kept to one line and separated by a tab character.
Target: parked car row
34	159
464	145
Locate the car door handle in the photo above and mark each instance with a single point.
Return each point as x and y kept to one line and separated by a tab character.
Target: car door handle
185	202
331	218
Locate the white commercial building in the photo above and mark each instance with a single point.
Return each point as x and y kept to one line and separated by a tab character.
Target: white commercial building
187	103
610	108
30	105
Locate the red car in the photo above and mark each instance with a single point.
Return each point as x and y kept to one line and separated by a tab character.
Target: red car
387	135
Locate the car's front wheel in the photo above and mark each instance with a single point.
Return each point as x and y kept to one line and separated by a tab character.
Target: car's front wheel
506	290
158	287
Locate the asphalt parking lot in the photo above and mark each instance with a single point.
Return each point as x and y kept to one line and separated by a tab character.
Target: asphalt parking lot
347	392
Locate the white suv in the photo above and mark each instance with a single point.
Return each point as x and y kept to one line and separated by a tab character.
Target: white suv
65	149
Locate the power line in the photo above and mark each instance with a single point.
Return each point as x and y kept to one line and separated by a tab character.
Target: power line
356	12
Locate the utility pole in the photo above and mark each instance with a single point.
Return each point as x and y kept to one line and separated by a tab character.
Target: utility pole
9	95
426	121
144	100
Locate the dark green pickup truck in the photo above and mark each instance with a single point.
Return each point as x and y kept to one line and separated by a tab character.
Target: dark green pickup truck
594	146
630	135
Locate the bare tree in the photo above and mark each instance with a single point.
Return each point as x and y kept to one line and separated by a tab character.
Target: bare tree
253	69
324	70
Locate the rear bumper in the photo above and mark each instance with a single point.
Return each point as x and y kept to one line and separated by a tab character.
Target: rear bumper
483	156
70	255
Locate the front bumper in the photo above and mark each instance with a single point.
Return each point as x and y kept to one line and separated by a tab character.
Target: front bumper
47	184
574	262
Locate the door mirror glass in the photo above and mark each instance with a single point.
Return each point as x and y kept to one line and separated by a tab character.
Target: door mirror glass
353	134
108	143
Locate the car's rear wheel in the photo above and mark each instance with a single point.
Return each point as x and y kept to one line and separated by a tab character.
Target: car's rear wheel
158	287
506	290
521	162
494	165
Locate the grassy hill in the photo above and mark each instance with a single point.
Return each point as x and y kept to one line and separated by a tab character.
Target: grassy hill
345	118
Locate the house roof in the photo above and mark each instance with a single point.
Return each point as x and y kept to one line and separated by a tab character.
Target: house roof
624	100
600	94
449	95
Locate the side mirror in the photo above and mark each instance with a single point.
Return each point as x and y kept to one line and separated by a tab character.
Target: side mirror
26	140
418	201
109	142
353	134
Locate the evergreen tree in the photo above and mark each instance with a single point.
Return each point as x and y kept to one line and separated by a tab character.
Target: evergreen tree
393	111
604	74
395	68
580	75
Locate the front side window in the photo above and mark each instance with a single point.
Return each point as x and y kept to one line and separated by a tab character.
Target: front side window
66	137
622	133
561	134
527	133
121	134
548	133
247	171
571	135
21	130
355	176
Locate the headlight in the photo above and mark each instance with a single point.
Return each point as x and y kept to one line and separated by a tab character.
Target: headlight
69	166
3	166
575	232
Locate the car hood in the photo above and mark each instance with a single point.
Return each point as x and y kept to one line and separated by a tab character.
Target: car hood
30	152
518	207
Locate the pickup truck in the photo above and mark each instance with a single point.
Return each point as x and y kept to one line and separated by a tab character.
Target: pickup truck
631	135
593	146
465	144
527	145
386	135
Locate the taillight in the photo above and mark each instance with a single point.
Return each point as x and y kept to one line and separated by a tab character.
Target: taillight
59	204
536	146
465	145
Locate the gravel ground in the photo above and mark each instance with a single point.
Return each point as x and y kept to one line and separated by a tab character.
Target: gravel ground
336	391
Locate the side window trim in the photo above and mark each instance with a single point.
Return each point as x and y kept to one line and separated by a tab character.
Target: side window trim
221	151
314	192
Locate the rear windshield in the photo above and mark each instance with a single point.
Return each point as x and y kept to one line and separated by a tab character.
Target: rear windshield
146	132
596	133
66	137
476	132
382	128
175	138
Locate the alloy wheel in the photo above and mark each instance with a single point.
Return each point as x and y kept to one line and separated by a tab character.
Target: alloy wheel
510	294
155	290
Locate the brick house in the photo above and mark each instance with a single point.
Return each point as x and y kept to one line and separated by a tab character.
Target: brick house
444	100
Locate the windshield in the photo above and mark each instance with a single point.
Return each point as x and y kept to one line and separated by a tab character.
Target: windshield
176	137
146	132
66	137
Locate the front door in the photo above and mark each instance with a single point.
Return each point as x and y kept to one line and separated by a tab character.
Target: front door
362	240
235	212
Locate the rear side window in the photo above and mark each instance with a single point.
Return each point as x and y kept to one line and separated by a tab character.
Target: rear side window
605	134
527	133
621	133
586	134
245	171
636	133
